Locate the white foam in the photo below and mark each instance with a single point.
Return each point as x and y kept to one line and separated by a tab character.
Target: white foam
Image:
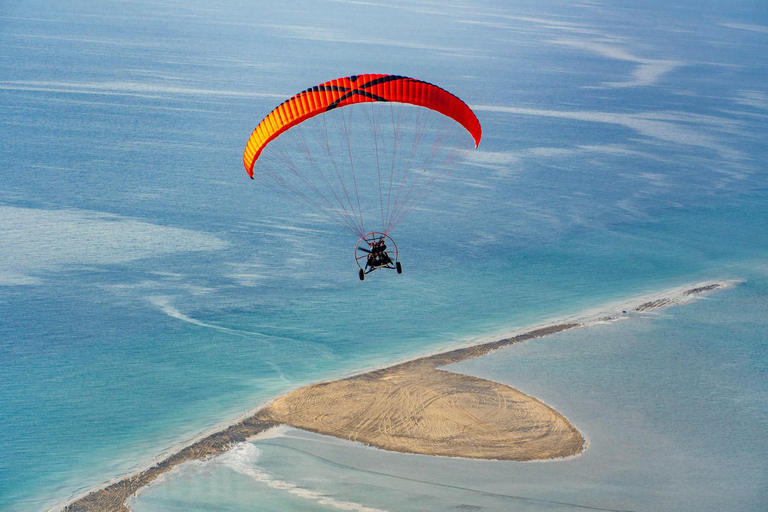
648	71
163	303
10	278
242	459
36	241
751	98
745	26
665	126
313	33
125	88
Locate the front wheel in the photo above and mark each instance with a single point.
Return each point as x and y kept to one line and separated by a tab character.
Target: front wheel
399	268
362	275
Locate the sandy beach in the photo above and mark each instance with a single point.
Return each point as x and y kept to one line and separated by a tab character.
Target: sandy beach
414	407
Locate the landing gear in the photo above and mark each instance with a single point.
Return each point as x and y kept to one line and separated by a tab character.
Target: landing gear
374	251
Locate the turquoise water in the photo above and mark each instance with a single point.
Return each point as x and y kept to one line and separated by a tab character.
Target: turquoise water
673	405
150	291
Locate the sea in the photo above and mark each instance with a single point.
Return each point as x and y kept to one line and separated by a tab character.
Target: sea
150	292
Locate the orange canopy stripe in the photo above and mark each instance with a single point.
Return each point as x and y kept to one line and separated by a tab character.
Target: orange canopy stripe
357	89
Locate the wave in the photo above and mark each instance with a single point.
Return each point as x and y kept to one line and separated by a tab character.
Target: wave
165	306
242	459
163	302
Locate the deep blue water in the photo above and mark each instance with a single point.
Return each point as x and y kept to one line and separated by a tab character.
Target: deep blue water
149	291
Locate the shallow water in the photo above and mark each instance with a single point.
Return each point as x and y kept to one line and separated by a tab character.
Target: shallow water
150	292
673	405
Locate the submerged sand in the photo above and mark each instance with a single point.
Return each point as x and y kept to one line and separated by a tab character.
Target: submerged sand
413	407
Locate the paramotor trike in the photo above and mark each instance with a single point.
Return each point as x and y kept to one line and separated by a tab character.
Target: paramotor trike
376	250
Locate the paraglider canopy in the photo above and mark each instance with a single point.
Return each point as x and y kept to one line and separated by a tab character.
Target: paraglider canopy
362	145
357	89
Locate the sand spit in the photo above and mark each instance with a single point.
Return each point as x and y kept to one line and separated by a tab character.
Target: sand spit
416	408
411	407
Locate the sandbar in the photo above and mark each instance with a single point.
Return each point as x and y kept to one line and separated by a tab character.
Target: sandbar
412	407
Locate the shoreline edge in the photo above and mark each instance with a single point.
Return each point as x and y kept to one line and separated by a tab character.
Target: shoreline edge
290	409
